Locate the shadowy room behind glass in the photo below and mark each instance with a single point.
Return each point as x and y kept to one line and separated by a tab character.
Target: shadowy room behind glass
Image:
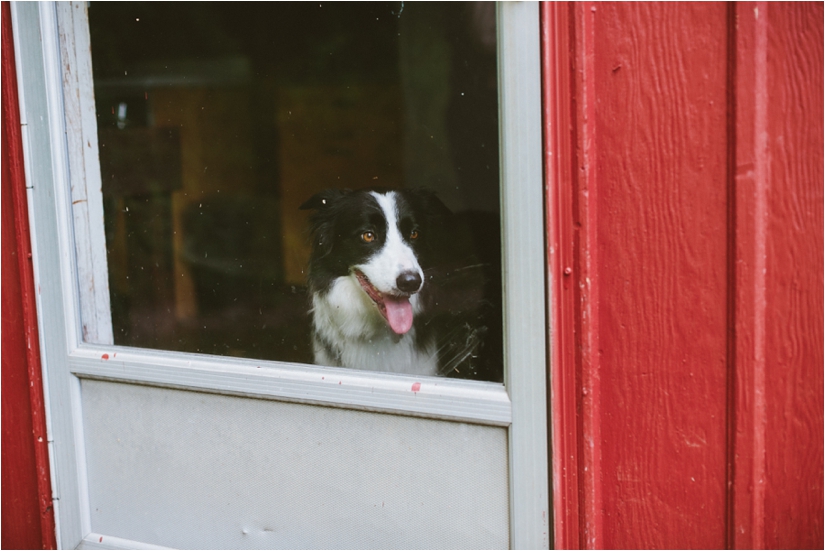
217	120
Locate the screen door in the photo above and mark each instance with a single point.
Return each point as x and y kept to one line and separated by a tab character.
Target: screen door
168	150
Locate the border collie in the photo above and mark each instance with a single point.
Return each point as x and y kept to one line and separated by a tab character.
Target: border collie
367	279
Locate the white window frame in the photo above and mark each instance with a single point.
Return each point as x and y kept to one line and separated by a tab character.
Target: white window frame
62	173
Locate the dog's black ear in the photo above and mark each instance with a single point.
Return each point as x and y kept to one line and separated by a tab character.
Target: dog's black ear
323	199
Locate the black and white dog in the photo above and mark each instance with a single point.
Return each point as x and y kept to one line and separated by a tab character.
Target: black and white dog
367	279
397	284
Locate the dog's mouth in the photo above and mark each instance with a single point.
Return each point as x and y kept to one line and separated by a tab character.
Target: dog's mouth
397	310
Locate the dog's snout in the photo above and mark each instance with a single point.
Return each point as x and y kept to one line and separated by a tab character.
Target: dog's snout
408	282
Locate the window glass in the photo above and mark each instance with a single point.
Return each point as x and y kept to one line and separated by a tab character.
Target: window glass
229	131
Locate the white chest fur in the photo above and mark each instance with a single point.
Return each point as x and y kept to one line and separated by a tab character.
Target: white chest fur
350	332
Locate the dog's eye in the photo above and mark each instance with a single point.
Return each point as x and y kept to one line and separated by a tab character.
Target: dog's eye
414	234
368	237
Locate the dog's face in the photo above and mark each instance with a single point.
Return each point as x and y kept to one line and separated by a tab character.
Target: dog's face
368	246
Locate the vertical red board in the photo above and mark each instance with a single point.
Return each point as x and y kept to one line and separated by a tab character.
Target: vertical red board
661	75
555	37
27	514
21	521
793	505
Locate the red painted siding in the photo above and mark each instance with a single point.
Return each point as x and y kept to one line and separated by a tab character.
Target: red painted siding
793	508
684	161
660	134
27	515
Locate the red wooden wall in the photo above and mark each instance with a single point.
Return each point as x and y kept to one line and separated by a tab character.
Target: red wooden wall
684	161
27	515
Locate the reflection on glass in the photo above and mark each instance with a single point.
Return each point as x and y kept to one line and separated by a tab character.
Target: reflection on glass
217	121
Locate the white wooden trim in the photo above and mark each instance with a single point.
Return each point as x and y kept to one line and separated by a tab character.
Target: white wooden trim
432	397
53	64
522	200
84	172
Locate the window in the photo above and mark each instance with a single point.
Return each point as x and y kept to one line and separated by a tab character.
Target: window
217	121
228	445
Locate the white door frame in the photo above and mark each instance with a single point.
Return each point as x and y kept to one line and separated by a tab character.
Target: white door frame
62	173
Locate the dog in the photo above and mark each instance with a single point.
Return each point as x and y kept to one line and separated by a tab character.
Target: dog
366	280
392	286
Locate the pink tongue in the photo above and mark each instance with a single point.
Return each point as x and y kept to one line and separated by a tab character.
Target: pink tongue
399	313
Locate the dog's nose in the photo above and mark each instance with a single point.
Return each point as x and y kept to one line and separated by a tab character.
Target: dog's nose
408	282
